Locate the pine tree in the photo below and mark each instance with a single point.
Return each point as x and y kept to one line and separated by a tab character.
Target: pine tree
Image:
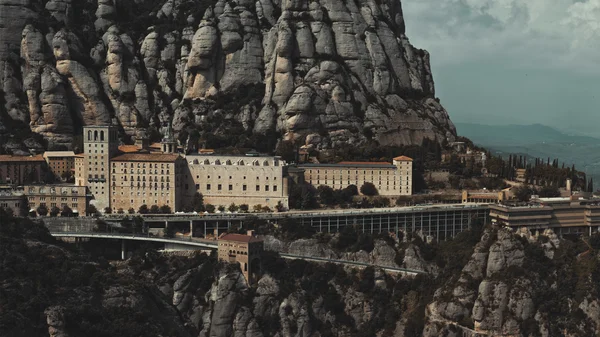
590	187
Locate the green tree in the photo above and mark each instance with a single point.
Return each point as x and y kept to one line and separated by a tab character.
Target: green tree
198	202
233	208
154	209
23	206
131	210
368	189
42	210
144	209
210	208
279	207
138	224
120	211
244	208
549	191
326	195
165	209
54	211
523	192
221	208
257	208
91	210
66	211
107	210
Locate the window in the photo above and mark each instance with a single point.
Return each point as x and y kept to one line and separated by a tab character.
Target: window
208	187
219	187
274	188
267	188
258	187
230	187
243	187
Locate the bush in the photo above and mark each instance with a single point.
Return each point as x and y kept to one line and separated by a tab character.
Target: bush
326	195
107	210
523	193
155	209
209	208
66	211
131	210
244	208
221	208
91	210
165	209
54	211
368	189
121	211
279	207
143	209
233	208
42	210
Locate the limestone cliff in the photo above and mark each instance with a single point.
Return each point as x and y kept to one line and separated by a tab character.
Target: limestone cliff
327	71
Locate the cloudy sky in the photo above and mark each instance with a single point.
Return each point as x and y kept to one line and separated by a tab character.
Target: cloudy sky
513	61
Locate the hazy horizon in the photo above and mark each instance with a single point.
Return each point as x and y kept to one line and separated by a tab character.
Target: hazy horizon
506	62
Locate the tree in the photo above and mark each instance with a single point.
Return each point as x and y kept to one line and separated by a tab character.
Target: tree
279	207
121	211
244	208
54	211
523	192
209	208
257	208
66	211
165	209
143	209
197	204
549	192
303	196
23	206
131	210
221	208
91	210
590	187
107	210
368	189
138	224
154	209
233	208
42	210
287	151
326	195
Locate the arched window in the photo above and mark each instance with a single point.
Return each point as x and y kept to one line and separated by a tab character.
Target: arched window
228	162
217	162
241	163
206	162
89	134
95	135
256	163
101	135
162	179
266	163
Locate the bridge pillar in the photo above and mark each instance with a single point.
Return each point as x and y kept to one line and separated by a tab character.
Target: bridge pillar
191	228
123	250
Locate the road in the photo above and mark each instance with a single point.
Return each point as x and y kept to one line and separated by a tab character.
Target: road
212	244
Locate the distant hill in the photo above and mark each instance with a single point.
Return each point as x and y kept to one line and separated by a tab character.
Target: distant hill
520	135
538	141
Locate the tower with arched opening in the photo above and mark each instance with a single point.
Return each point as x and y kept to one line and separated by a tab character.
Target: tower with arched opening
100	143
245	250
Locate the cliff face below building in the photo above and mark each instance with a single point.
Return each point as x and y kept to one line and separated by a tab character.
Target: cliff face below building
493	282
325	72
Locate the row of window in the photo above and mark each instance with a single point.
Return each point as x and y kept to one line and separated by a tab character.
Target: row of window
238	163
244	187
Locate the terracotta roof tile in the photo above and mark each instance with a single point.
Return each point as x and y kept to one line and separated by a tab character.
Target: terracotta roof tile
403	158
363	163
239	238
128	148
154	157
11	158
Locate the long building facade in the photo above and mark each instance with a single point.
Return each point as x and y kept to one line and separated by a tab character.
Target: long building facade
239	179
390	179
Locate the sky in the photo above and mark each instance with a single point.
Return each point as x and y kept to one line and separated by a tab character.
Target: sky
513	61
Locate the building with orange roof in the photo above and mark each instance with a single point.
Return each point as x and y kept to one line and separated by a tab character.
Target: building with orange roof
19	170
245	250
390	179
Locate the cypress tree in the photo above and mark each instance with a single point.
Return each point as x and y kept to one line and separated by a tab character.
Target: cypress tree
590	187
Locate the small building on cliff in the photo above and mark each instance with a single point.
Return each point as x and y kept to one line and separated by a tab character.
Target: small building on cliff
243	249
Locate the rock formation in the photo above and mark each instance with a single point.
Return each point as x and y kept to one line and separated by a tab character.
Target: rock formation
329	71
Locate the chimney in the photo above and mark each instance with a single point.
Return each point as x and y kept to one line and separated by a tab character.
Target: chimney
250	233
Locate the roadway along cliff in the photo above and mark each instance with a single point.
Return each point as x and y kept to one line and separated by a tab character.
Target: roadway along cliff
322	72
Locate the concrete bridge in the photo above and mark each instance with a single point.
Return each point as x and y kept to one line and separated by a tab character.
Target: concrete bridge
197	243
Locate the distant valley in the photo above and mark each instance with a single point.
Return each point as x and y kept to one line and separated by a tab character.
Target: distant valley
537	140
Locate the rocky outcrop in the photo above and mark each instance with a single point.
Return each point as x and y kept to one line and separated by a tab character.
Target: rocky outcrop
342	71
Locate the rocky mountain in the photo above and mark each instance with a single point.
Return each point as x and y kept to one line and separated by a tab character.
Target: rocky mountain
492	282
321	72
